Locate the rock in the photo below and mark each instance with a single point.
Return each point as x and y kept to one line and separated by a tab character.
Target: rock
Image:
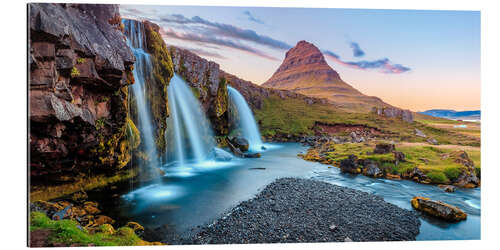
432	141
392	112
417	175
399	157
419	133
467	178
76	56
350	165
135	226
66	213
79	196
91	207
372	170
384	148
240	143
447	188
355	138
49	208
221	155
438	209
103	219
251	155
105	229
392	176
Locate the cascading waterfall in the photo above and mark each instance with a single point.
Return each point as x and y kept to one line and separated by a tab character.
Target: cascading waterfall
142	73
191	132
245	120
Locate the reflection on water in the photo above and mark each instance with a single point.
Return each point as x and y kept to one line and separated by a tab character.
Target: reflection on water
200	195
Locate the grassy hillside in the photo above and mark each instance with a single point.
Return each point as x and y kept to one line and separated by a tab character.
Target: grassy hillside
295	117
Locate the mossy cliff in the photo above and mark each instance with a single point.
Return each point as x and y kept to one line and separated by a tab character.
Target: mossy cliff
207	84
79	69
156	82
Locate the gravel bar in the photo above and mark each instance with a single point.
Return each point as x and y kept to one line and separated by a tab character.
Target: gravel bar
302	210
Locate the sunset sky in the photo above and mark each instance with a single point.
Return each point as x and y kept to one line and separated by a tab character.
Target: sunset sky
417	60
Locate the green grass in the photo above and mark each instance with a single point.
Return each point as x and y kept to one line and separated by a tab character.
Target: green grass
68	232
295	117
429	159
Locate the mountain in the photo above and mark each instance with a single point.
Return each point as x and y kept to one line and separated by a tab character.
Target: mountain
455	115
305	70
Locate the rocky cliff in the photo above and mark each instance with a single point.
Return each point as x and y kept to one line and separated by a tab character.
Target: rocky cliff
79	69
205	79
305	70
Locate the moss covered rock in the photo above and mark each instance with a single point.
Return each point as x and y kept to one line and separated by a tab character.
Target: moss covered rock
438	209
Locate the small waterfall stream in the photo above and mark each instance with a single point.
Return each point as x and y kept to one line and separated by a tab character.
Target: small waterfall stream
245	120
191	139
134	31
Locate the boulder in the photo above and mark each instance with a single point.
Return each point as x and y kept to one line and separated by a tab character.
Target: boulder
399	157
447	188
372	170
221	155
350	165
468	177
384	148
432	141
135	226
103	219
419	133
438	209
240	143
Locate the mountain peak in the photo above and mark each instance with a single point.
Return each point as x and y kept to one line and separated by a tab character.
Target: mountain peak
305	70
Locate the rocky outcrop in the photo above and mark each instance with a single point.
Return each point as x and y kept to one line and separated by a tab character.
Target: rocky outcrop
467	177
208	85
438	209
79	70
384	148
393	112
305	70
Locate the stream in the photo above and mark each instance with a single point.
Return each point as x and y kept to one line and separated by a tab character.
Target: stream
184	201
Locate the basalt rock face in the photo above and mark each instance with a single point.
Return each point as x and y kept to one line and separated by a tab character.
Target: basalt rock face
305	70
79	69
204	78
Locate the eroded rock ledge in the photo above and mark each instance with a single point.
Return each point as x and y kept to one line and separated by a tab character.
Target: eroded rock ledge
79	69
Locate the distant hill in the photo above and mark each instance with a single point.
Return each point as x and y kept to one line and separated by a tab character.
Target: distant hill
305	71
454	115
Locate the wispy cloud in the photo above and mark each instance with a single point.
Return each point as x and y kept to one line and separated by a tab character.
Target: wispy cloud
384	65
356	50
252	18
228	30
197	37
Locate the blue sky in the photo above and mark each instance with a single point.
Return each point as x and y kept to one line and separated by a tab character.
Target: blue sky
412	59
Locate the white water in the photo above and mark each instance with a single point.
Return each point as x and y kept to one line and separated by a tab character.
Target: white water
245	120
192	135
142	73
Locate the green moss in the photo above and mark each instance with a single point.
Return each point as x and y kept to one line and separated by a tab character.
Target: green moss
80	60
74	72
69	232
452	173
133	134
100	123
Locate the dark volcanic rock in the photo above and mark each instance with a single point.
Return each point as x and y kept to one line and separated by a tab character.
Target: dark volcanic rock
240	143
299	210
350	165
80	67
384	148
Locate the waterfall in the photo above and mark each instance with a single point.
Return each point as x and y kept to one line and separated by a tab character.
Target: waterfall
245	120
191	132
134	31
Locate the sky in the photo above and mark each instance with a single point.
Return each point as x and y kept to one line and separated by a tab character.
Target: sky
412	59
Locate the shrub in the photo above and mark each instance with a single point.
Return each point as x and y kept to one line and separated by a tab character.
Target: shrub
452	173
438	177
